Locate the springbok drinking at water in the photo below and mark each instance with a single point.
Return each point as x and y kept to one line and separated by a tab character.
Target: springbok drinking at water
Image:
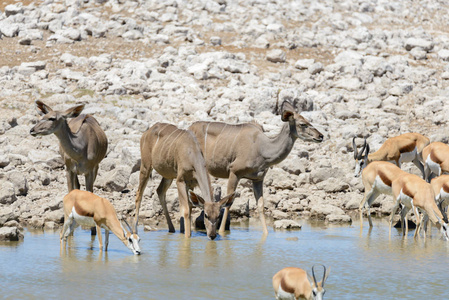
407	147
295	283
175	154
87	209
244	151
408	190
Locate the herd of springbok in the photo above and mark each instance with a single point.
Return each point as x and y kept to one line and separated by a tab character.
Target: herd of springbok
236	151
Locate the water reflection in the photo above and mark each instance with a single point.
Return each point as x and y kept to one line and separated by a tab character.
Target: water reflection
238	264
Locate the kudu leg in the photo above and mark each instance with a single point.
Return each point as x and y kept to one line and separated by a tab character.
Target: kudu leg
186	208
89	177
161	193
258	193
144	175
233	181
72	180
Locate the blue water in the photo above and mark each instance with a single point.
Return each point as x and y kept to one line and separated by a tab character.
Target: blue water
239	265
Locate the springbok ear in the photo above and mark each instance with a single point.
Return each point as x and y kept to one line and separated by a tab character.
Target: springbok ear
287	111
42	108
196	200
310	278
74	111
227	201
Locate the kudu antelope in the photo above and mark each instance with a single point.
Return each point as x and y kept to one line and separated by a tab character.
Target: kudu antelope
295	283
244	151
407	147
436	158
175	154
82	142
87	209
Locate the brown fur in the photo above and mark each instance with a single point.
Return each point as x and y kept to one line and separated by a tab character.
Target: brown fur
175	154
83	144
439	153
244	151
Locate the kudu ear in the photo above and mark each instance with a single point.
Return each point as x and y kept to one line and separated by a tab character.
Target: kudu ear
196	200
287	111
42	108
227	201
74	111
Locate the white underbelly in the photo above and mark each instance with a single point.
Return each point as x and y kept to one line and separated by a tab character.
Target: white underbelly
283	295
408	156
433	166
82	220
381	186
405	200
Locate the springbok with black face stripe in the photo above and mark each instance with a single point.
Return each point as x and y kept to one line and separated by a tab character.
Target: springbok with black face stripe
407	147
175	154
295	283
87	209
237	151
436	158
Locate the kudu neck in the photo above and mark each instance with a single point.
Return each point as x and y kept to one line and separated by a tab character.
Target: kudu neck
278	148
71	143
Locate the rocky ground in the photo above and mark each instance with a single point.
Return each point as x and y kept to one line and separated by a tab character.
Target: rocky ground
366	68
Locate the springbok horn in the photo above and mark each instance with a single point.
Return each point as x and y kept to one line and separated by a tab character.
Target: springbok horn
361	151
355	148
324	276
313	274
129	227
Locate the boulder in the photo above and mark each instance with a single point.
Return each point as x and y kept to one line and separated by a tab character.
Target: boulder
286	224
10	234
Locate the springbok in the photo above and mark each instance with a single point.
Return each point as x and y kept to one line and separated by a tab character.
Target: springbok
175	154
87	209
244	151
295	283
408	190
415	193
440	186
407	147
82	142
436	158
